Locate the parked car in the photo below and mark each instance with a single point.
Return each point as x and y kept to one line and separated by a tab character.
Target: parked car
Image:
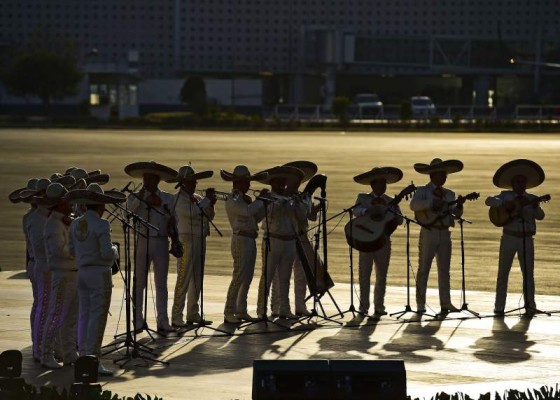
422	106
368	104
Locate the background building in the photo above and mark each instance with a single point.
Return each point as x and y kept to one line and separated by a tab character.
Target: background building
455	51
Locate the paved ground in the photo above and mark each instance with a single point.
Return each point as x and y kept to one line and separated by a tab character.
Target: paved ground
472	355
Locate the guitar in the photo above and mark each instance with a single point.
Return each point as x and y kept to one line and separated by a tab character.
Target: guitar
430	217
369	233
500	216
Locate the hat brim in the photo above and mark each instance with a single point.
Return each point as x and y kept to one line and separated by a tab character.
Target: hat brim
448	166
47	201
230	177
100	179
308	168
87	197
15	196
138	169
530	169
194	177
390	174
285	172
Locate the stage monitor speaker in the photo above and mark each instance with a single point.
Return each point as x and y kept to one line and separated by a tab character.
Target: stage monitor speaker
368	379
291	379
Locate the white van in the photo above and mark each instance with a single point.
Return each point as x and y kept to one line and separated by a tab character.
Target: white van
422	106
368	103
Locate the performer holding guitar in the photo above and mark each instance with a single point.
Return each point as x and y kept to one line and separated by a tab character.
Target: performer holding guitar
435	206
374	216
516	211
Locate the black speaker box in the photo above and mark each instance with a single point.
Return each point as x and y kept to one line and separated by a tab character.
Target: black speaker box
291	379
368	379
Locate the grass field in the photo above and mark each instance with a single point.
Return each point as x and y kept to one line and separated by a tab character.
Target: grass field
340	155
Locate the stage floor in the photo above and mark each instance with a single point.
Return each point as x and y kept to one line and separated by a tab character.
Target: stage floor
458	354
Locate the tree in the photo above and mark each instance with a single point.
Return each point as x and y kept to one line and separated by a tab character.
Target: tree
193	93
43	74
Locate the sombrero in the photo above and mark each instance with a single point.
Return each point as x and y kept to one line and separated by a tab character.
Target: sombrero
529	169
241	172
281	172
94	194
39	189
138	169
15	196
187	173
438	165
390	174
90	177
54	193
307	167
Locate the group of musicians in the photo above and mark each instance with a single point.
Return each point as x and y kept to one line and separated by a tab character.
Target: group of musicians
70	252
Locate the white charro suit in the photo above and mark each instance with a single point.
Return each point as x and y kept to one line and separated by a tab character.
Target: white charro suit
434	242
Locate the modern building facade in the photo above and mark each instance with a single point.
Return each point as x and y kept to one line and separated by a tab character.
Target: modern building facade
457	51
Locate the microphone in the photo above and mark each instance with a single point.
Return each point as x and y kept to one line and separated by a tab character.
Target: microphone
126	189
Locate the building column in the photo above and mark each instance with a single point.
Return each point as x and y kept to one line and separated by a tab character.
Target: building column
481	85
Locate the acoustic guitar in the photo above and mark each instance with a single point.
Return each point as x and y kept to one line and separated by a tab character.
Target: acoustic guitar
500	216
431	217
369	233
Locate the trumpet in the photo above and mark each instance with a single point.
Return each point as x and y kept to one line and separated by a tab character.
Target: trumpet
219	195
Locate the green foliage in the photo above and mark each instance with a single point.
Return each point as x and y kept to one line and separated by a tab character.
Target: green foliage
43	74
405	112
339	108
544	393
193	93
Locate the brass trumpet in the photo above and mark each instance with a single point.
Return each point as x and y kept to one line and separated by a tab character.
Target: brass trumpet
219	195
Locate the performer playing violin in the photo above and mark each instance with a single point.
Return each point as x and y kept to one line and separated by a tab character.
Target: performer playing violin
152	205
193	213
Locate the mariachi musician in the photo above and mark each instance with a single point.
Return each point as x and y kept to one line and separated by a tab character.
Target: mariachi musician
154	206
280	231
244	216
193	215
374	204
435	237
519	227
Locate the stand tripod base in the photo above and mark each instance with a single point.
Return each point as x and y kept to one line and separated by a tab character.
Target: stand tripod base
134	354
265	320
529	312
407	310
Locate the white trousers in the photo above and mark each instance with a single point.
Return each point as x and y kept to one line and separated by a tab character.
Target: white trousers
300	288
381	259
189	279
280	260
94	293
509	247
43	287
62	317
30	274
244	254
433	243
158	254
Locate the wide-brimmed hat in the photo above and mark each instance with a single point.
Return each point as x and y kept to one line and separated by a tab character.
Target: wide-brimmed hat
241	172
529	169
187	173
307	167
138	169
38	190
390	174
438	165
94	194
15	196
53	195
90	177
282	171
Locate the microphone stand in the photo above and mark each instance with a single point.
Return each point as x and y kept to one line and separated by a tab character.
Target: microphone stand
352	308
264	318
133	348
148	226
317	296
203	323
407	307
530	311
